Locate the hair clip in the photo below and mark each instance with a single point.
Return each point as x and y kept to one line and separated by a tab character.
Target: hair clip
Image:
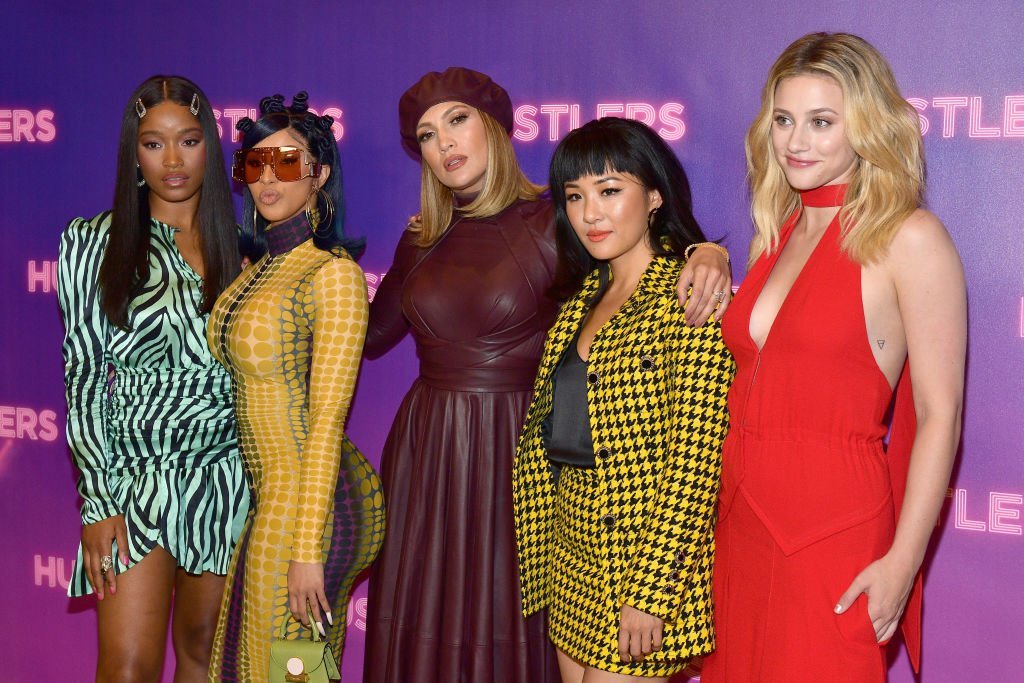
193	106
140	108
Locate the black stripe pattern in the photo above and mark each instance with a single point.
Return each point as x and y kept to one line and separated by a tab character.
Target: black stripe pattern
151	424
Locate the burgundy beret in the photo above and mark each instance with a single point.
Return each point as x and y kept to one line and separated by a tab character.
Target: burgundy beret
454	84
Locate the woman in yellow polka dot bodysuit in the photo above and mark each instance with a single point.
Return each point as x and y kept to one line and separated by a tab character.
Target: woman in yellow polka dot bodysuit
290	329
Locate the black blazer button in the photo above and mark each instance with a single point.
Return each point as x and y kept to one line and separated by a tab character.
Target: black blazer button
681	557
593	378
604	453
675	576
646	363
608	521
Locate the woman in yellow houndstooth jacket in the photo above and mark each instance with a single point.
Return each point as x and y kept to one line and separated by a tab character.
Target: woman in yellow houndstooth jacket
617	470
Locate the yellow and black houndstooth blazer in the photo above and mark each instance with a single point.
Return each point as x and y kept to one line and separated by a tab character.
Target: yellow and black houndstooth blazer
656	391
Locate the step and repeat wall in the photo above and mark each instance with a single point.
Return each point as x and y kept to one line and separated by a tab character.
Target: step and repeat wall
691	70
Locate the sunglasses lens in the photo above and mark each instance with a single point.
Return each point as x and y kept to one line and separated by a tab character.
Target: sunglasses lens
288	166
287	162
247	166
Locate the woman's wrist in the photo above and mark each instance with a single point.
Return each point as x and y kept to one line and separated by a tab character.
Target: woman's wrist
709	245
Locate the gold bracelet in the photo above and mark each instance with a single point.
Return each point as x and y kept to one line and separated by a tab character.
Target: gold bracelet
717	247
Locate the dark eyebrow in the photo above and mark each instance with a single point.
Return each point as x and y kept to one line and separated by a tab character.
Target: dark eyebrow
602	179
183	131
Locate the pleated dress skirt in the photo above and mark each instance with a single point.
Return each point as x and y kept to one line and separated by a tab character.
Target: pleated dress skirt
444	600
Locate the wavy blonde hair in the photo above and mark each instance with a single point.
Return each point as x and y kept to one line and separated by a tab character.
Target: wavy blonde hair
503	185
881	127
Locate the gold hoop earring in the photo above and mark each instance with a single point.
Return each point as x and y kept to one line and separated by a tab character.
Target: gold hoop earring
255	217
314	217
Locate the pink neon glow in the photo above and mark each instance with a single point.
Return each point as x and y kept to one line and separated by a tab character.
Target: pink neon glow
999	513
665	119
19	422
610	109
1007	123
554	112
1013	116
336	128
373	281
949	105
960	520
235	114
52	571
920	105
42	276
642	112
977	130
26	125
526	128
357	612
674	128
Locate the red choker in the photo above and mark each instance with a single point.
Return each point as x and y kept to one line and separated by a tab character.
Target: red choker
824	196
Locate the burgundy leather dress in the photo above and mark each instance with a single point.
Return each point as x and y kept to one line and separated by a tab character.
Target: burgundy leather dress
444	604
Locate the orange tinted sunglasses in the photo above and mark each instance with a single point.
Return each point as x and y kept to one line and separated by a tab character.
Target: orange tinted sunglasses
288	164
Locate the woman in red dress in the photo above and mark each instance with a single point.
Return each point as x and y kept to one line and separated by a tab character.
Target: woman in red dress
822	529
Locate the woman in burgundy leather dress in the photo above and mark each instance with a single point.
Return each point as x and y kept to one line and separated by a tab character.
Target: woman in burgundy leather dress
470	279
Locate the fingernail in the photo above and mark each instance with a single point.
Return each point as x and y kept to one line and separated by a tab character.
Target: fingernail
124	560
839	609
320	626
330	619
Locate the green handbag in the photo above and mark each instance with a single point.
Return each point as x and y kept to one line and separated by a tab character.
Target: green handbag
302	661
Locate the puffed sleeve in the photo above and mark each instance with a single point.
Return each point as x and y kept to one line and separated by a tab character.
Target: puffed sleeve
85	361
339	328
683	513
387	322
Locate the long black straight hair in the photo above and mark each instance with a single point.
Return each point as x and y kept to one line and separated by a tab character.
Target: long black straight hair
620	145
125	264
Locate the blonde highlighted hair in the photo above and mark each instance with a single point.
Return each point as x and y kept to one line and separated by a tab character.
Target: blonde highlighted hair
881	127
503	185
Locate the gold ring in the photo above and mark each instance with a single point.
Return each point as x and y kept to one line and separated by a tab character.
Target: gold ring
106	564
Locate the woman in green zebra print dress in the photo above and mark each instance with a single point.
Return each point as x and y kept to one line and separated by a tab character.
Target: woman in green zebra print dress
162	484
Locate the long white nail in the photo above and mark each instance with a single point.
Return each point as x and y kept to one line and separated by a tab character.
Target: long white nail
330	619
320	625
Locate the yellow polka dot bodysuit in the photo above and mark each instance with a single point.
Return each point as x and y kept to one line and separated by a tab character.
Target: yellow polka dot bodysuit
290	329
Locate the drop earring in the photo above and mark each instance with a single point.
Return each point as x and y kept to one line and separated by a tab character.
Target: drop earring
140	180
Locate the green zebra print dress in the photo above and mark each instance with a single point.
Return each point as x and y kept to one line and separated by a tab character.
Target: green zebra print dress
150	425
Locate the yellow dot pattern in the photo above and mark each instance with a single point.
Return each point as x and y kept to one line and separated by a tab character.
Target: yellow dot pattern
291	331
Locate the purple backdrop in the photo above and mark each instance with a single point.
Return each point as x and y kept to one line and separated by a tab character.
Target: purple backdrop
691	69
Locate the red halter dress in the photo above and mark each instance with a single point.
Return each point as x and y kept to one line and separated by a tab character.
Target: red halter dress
810	492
